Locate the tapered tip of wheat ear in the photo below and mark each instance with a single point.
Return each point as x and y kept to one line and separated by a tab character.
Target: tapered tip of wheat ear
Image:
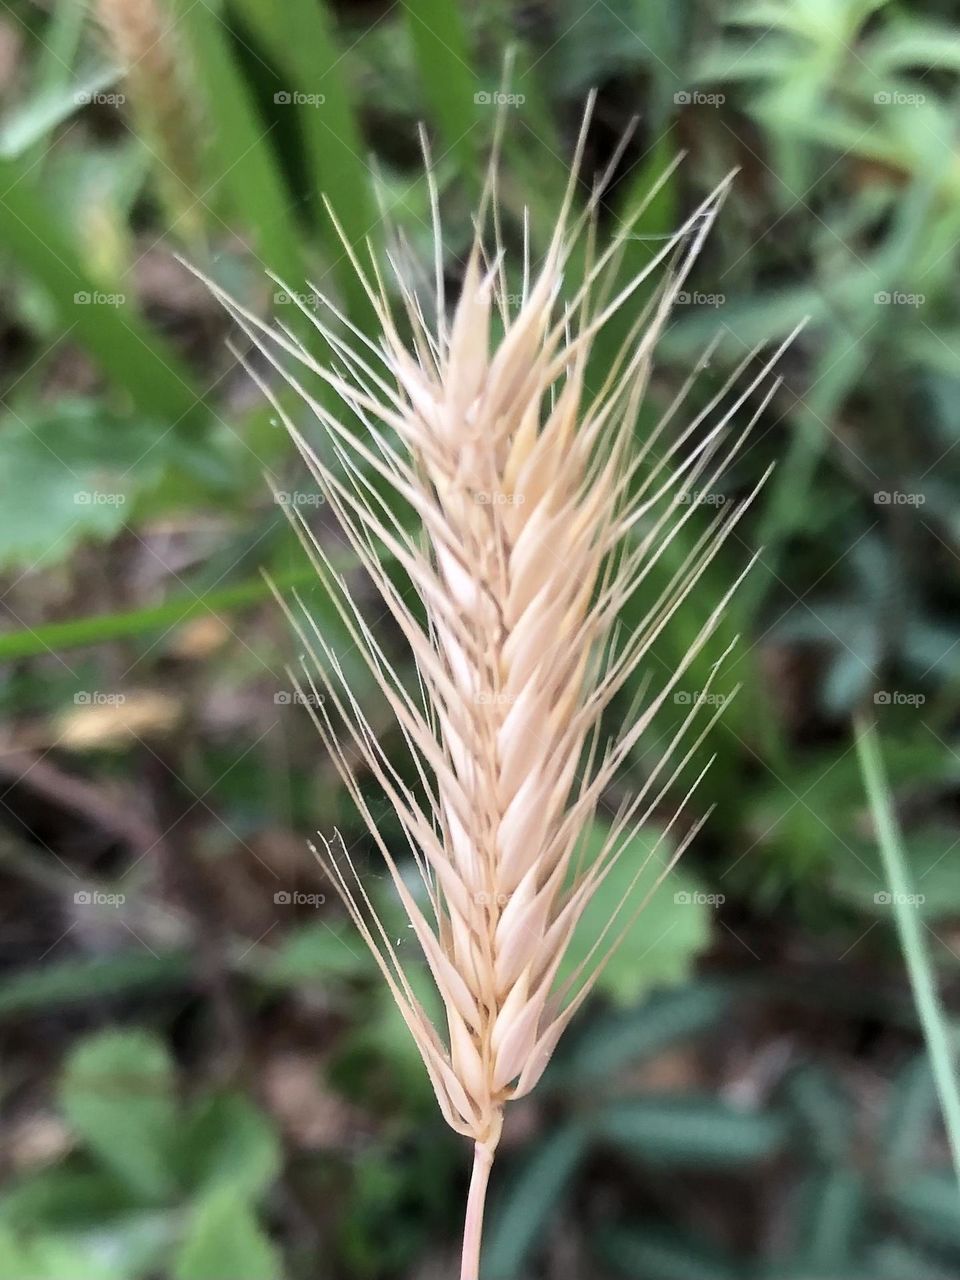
536	516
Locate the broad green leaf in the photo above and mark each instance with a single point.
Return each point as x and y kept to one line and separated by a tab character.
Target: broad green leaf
66	1198
317	953
227	1142
117	1094
671	931
528	1203
48	1258
690	1132
224	1241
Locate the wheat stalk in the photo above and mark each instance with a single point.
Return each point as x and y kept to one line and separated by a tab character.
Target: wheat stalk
141	37
539	519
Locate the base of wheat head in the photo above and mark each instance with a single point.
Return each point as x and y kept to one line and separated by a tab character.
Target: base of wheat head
537	515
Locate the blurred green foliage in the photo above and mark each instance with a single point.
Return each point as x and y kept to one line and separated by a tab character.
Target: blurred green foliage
776	1122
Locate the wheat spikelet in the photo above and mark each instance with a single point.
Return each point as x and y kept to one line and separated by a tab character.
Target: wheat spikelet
539	519
142	38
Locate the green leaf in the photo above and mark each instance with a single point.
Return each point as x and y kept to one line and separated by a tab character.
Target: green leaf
912	1116
224	1241
229	1143
117	1094
824	1110
306	59
317	953
631	1252
33	120
528	1202
53	1259
928	1203
135	622
663	943
241	144
834	1206
443	59
690	1132
96	978
625	1037
132	356
68	476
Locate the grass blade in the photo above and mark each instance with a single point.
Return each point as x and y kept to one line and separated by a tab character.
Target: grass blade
129	354
916	958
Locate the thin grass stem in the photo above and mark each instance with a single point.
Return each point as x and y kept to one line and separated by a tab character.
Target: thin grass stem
916	957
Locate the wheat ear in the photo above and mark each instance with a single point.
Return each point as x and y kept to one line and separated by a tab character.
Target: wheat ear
538	518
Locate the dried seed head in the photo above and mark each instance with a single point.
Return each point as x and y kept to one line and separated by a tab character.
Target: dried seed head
539	517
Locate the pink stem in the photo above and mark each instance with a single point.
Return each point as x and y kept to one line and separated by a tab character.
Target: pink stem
473	1226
